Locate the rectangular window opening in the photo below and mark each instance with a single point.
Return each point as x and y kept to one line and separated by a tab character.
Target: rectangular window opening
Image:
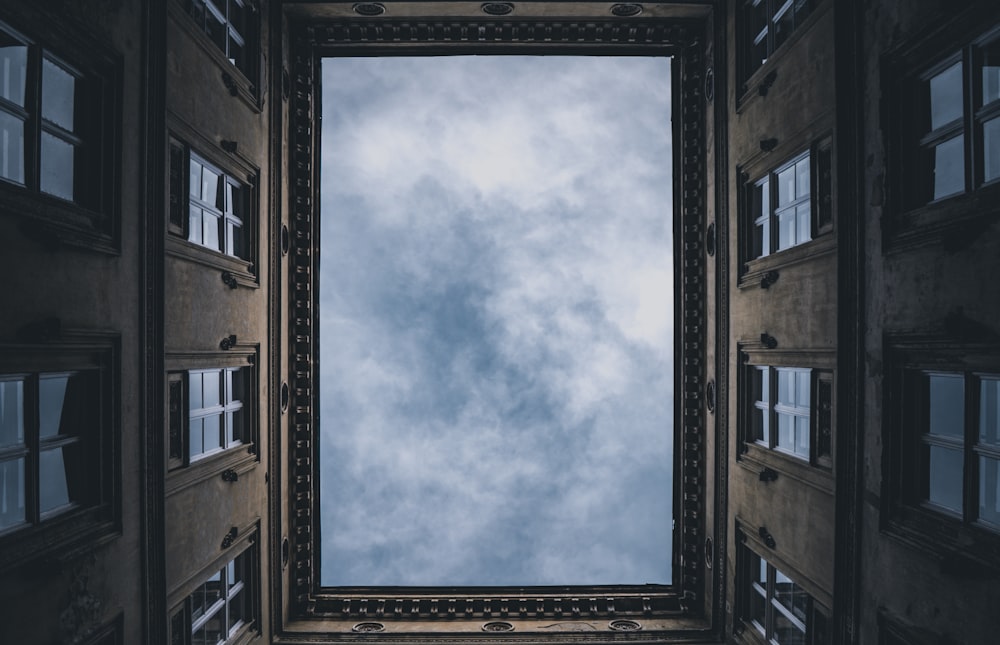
496	327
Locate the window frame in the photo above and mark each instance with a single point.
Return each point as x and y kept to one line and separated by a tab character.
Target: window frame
822	211
750	550
243	82
181	622
692	597
73	528
183	470
746	40
963	545
958	218
235	271
818	470
93	222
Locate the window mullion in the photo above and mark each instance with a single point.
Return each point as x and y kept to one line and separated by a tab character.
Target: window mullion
31	436
33	126
772	397
971	460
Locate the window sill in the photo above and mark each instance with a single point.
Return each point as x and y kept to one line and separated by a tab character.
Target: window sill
234	81
962	550
238	268
955	222
241	458
53	222
756	269
60	538
757	458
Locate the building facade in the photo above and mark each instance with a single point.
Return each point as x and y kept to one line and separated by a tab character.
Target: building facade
837	403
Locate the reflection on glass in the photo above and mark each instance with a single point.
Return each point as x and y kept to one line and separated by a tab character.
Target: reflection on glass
943	467
58	93
13	63
802	224
211	389
196	440
989	410
210	235
786	432
786	186
991	72
790	595
53	487
209	186
57	166
51	399
194	225
11	412
786	632
949	167
946	408
946	96
213	438
11	147
194	180
991	149
786	229
11	492
989	490
784	23
236	610
802	436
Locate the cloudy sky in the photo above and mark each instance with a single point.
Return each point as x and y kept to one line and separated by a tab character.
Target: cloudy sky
496	321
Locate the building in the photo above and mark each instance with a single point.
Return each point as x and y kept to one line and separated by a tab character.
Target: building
837	188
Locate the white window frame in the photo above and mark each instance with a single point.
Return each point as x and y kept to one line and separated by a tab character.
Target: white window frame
226	409
225	215
768	214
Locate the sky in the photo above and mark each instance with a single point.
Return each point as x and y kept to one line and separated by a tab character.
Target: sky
496	321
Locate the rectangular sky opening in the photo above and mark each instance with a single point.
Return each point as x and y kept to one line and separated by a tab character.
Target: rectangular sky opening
496	321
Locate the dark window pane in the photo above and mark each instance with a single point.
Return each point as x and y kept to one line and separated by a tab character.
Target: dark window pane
13	65
947	405
236	610
57	166
51	398
942	468
991	149
991	72
177	198
989	410
237	17
755	32
989	490
802	9
236	54
784	24
786	632
948	167
11	493
58	95
791	596
824	180
215	27
11	412
177	413
11	147
824	417
945	96
62	476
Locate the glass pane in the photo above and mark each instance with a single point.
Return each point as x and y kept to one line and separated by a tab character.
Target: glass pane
784	24
194	225
11	147
802	9
946	96
991	149
62	476
57	166
11	492
194	181
236	54
786	632
196	442
216	30
786	432
989	410
209	186
803	225
764	374
13	63
210	228
786	229
237	16
786	186
58	95
802	178
991	72
236	610
11	412
989	490
194	390
762	239
758	54
231	435
206	596
51	397
213	394
802	437
948	167
802	385
790	595
946	413
943	469
213	432
786	387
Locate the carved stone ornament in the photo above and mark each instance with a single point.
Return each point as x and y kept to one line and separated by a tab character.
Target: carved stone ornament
497	8
498	626
626	9
368	628
624	625
369	8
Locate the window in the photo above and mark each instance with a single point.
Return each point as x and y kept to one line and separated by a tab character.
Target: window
46	453
222	608
941	462
783	210
791	410
56	125
216	209
57	449
774	609
767	24
956	444
228	25
216	414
